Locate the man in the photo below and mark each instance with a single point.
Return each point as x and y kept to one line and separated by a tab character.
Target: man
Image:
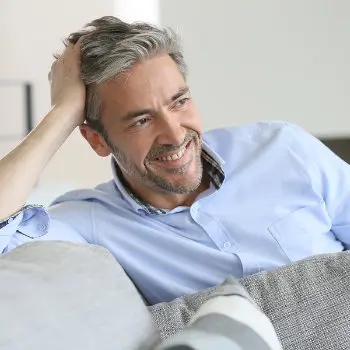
183	210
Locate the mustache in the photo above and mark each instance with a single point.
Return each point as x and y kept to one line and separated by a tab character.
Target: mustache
158	151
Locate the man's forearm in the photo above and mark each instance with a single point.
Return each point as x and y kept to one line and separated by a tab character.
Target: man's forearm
21	168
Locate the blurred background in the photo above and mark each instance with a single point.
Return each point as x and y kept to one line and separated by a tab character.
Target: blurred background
248	60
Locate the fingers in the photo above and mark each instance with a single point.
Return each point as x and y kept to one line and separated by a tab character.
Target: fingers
53	65
72	51
67	52
75	47
78	43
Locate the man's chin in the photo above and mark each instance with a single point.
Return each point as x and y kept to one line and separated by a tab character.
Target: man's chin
185	178
178	188
178	183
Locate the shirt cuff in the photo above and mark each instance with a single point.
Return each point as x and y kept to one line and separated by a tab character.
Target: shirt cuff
9	219
30	221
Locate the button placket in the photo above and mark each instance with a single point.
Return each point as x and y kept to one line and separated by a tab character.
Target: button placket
227	245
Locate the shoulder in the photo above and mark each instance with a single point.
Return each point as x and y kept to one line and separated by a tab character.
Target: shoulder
252	136
83	201
100	193
80	208
263	130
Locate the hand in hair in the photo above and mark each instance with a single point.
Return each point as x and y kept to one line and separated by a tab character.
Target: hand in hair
67	88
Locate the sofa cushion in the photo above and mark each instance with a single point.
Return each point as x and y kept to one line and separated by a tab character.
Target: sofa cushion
308	303
57	295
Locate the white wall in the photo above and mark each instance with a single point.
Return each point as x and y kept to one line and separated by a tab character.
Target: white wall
249	60
253	60
137	10
30	31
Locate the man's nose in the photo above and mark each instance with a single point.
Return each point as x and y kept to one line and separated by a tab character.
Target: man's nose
170	132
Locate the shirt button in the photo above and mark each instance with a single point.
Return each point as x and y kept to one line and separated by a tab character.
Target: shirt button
227	245
194	210
42	227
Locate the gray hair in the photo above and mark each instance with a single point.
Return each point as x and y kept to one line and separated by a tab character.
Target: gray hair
112	46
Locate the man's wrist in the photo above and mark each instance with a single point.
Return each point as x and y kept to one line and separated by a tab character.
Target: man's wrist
66	115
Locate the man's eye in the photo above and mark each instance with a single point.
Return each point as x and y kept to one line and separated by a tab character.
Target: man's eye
182	102
141	122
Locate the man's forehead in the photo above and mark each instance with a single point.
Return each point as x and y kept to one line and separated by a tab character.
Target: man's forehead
158	78
147	86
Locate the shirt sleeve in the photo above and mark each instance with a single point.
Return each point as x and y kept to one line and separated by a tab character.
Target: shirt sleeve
68	221
330	176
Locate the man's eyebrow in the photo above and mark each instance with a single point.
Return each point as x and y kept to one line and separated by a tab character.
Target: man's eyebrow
135	114
178	94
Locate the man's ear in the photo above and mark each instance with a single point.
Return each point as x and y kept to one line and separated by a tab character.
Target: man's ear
95	140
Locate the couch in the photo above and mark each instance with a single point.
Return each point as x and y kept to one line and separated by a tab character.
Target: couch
59	295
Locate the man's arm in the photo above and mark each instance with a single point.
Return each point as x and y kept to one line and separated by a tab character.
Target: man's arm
330	176
20	169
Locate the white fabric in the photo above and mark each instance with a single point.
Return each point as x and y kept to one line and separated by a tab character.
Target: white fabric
241	310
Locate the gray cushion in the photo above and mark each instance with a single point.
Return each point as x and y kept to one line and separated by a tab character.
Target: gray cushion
308	303
57	295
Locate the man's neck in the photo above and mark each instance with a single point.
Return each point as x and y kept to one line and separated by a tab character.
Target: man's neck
168	201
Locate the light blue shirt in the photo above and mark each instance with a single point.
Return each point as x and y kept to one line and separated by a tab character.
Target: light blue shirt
285	197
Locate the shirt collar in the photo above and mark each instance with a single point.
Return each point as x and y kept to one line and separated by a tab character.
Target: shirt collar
212	163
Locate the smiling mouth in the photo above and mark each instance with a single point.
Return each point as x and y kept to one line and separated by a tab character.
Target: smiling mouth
175	156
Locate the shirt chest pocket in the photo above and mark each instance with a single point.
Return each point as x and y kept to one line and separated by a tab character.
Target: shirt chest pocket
305	232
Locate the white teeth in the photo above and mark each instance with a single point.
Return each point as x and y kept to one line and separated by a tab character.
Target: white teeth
176	156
